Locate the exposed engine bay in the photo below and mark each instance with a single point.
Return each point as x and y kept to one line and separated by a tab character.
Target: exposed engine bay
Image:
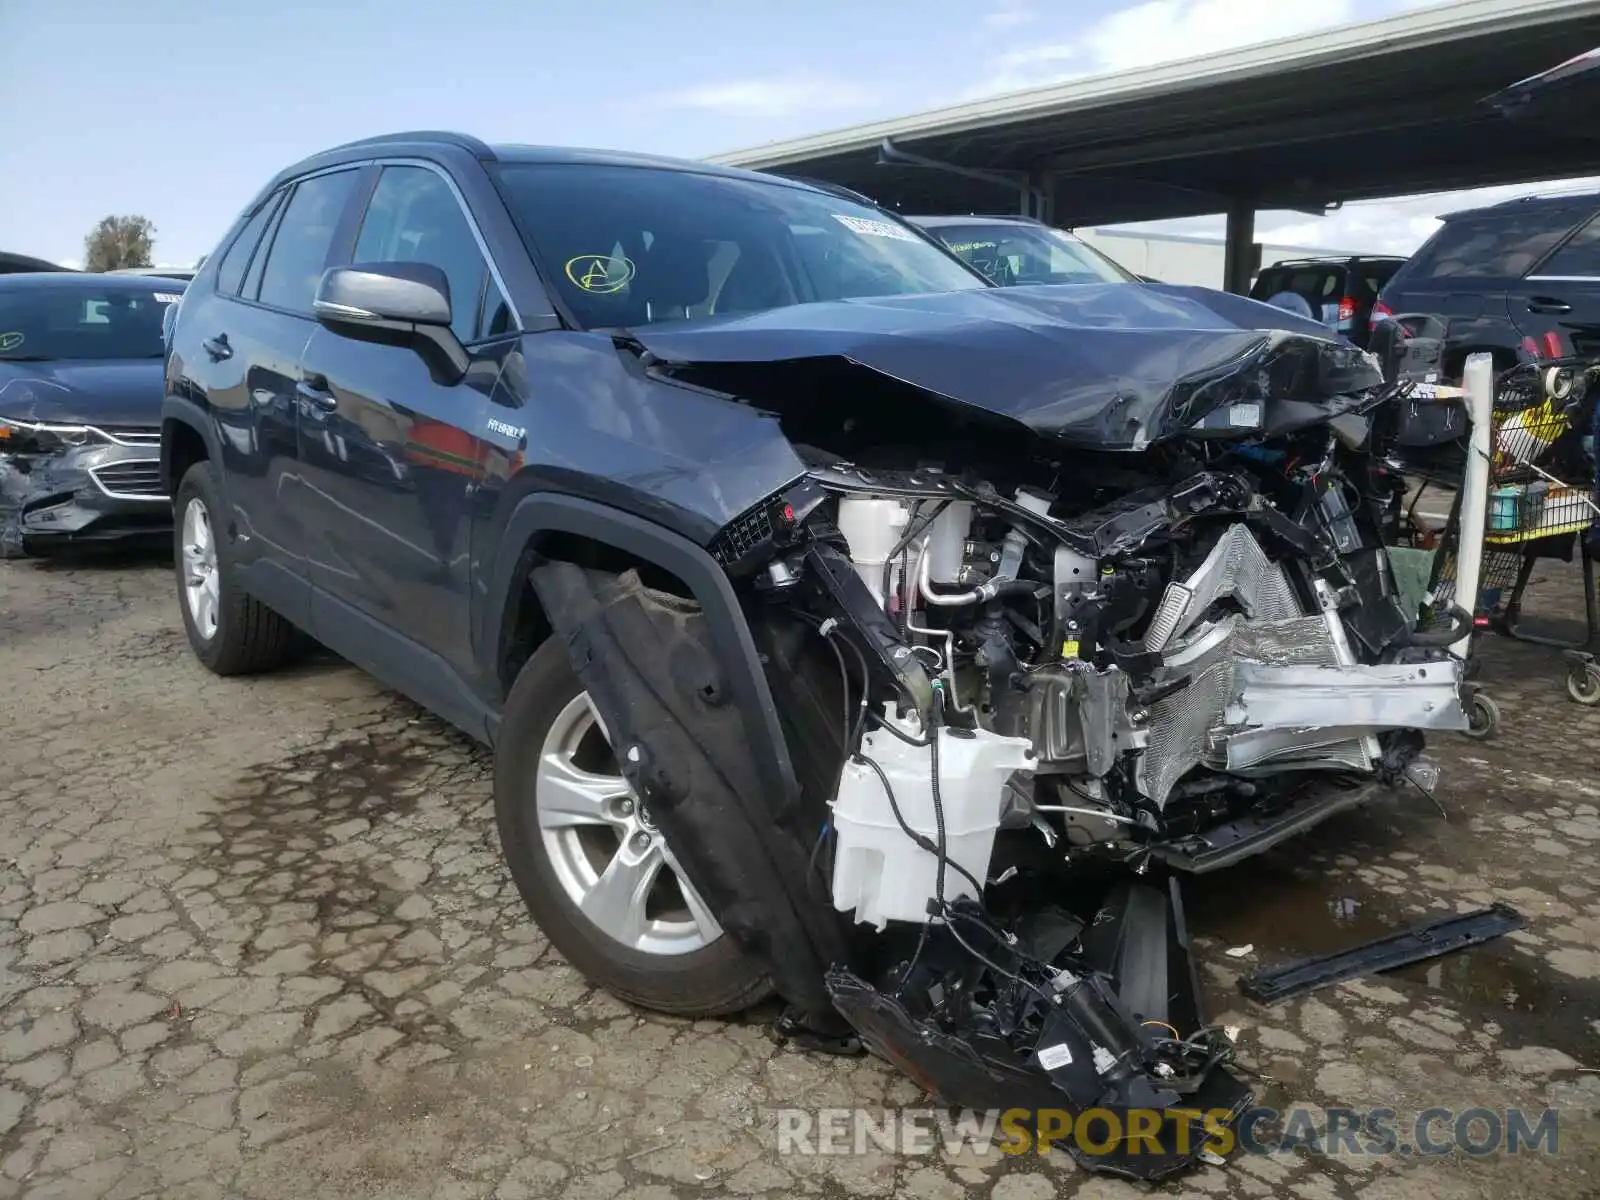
1007	679
1190	653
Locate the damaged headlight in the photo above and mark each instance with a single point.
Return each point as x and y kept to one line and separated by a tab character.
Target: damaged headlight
43	437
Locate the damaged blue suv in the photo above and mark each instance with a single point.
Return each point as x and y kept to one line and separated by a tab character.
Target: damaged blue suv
816	596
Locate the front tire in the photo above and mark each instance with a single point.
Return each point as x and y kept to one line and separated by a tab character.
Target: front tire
230	631
596	876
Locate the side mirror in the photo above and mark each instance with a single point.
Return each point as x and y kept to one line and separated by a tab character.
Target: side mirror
394	304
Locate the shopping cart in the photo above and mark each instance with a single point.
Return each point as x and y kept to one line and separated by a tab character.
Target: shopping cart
1540	505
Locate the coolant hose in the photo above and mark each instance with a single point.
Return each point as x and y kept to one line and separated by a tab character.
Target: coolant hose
981	594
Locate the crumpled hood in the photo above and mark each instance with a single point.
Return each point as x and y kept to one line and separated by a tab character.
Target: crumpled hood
1109	366
123	392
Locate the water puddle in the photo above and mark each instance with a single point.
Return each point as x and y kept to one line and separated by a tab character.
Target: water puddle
1296	911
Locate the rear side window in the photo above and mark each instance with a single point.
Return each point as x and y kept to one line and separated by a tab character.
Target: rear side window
300	248
1498	247
230	274
1314	283
1375	275
1579	258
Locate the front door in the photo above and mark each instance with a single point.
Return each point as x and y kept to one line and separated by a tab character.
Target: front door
391	456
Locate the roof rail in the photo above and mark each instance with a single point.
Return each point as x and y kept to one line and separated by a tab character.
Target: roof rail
1567	193
476	147
1332	258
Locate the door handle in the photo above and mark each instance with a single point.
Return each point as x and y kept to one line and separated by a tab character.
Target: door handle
217	348
1544	304
313	389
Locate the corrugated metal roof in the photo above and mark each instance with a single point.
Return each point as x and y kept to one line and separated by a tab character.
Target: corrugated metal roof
1360	111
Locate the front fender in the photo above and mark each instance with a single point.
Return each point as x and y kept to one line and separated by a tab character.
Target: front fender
185	412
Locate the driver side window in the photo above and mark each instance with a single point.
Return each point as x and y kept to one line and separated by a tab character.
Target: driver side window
414	216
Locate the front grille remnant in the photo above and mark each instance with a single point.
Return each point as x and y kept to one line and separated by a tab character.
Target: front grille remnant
140	479
140	435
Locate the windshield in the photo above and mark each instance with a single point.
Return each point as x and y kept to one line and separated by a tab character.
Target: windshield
47	324
1016	254
633	245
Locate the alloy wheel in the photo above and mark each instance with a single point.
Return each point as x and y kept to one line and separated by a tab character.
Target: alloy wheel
607	856
201	586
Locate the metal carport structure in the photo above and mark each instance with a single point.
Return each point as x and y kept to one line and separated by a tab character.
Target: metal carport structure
1359	112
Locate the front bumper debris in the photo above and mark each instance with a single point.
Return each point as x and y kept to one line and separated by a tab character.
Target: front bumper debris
1429	940
1062	1020
91	493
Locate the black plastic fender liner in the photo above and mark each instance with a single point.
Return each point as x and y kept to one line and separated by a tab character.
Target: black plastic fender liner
727	629
685	742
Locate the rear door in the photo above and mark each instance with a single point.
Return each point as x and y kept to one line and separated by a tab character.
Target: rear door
1561	297
393	457
248	333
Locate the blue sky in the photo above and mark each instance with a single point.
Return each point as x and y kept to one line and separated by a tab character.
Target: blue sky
181	109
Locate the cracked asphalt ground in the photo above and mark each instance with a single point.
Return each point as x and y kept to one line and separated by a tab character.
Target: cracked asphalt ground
256	941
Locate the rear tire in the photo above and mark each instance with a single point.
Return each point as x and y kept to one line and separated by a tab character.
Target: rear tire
230	631
684	970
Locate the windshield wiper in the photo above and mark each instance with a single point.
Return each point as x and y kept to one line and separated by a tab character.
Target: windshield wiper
26	358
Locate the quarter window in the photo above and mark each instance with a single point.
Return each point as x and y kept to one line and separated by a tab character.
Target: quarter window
414	217
300	248
1498	247
1580	257
230	273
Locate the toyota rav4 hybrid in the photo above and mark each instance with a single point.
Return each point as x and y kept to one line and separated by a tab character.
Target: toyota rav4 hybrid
832	612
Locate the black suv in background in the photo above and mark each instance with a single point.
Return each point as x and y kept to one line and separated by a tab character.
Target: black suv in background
1520	279
1340	291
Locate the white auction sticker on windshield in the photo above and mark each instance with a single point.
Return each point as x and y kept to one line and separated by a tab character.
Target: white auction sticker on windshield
167	298
884	229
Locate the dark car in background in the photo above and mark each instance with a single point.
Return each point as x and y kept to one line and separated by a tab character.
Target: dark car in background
1520	279
80	409
1341	292
1020	250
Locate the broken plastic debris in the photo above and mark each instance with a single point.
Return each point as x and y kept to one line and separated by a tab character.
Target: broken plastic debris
1231	1032
1212	1159
1243	951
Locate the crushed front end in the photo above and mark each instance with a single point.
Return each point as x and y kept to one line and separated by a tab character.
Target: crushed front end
1043	638
1071	668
